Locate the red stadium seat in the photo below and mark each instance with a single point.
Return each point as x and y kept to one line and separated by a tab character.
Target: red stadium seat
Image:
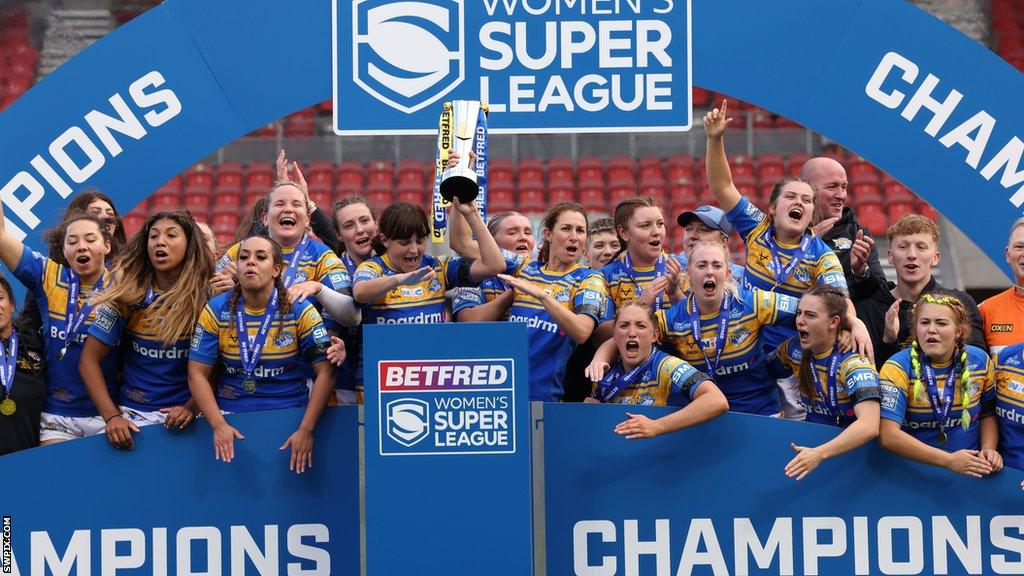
322	194
301	124
229	174
656	190
412	192
795	161
530	170
260	178
226	198
380	196
500	170
380	172
225	220
866	193
927	211
265	131
650	170
160	202
746	185
682	197
351	173
132	223
560	169
411	172
700	97
561	191
895	192
872	217
621	168
592	197
224	239
320	172
531	197
769	168
619	191
590	169
901	208
761	119
500	197
251	198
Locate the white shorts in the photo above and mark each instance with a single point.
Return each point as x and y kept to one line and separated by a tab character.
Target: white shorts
54	427
346	397
140	418
789	393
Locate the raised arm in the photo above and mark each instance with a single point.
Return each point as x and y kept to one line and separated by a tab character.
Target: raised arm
341	307
11	248
579	327
719	174
491	261
367	290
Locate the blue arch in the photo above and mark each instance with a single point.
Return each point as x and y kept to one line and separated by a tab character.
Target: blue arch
234	66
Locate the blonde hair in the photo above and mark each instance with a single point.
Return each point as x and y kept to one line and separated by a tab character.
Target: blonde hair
960	361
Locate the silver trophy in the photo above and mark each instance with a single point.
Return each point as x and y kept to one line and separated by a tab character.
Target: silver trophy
460	180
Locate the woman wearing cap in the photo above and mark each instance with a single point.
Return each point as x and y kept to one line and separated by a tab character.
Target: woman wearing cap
705	224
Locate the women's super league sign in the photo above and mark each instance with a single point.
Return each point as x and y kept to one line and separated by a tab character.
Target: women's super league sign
542	65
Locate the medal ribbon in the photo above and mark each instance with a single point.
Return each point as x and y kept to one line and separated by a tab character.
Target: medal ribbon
783	273
831	388
9	362
250	351
659	270
720	335
940	408
75	315
293	265
617	380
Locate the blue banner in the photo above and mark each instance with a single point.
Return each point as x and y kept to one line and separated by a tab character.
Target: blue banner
167	507
714	500
447	450
543	66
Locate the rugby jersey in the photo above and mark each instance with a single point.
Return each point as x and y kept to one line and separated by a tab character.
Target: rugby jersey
741	374
914	413
66	394
579	289
626	282
347	376
155	375
1009	375
295	341
471	297
666	381
317	262
856	381
421	303
819	264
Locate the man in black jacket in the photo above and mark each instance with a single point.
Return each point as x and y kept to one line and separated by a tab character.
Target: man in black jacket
914	251
837	225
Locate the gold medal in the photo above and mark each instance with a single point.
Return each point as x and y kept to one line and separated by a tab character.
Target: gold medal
8	407
249	385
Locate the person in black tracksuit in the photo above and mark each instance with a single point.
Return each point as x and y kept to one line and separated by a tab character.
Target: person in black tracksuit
913	251
837	225
19	429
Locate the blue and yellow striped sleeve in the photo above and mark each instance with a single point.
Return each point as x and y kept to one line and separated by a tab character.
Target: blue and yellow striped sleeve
895	391
205	346
313	338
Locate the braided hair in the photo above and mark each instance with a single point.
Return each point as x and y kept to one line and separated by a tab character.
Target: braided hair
960	362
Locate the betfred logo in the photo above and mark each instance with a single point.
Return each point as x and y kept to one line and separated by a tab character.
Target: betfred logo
440	407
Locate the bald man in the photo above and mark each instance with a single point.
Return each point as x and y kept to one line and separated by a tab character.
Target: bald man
836	224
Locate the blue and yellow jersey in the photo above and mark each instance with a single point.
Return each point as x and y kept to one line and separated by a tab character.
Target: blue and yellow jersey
668	381
421	303
490	288
1009	375
856	381
914	412
578	289
741	373
317	263
294	343
627	282
819	264
155	375
66	394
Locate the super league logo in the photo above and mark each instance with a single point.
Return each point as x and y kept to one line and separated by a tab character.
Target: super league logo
407	54
408	421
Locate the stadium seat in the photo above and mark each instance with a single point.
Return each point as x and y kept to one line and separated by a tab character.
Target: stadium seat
224	239
761	119
412	192
531	197
592	197
322	194
872	217
650	169
619	191
860	170
320	172
251	198
560	169
700	97
795	161
265	131
866	193
621	168
746	185
351	173
259	178
132	223
561	191
531	170
783	123
924	209
895	192
229	174
380	172
225	220
769	168
380	196
682	195
301	124
500	170
656	190
900	208
411	172
159	202
500	197
590	169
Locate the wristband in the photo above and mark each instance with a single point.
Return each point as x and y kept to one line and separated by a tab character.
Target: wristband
107	421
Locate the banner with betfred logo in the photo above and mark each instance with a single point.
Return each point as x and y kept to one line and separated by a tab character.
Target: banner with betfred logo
447	448
541	65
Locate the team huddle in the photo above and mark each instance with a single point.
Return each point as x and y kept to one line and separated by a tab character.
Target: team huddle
119	333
